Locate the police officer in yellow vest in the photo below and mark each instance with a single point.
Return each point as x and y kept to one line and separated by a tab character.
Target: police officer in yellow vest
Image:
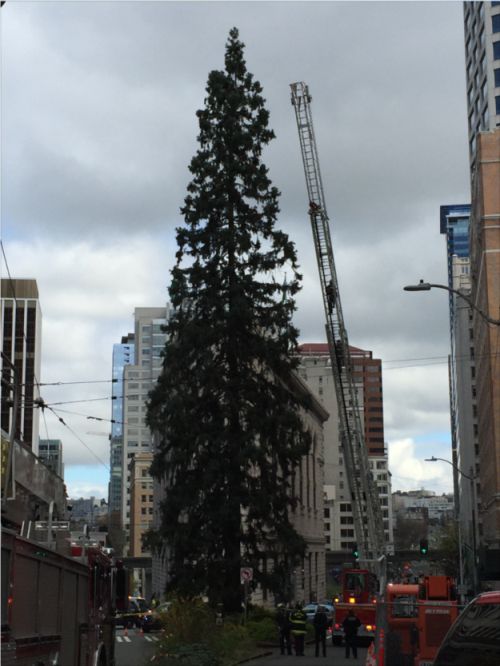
298	620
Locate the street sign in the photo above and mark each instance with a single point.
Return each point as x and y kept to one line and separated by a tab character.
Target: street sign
56	525
246	574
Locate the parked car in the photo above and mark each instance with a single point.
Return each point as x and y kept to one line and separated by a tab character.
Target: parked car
474	637
155	618
310	611
133	615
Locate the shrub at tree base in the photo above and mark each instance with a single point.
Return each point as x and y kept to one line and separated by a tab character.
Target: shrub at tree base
262	631
192	637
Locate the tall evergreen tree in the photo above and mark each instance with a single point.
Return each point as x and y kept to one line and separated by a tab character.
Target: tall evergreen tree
228	423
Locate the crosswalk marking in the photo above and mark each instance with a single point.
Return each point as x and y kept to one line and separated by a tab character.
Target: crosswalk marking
127	639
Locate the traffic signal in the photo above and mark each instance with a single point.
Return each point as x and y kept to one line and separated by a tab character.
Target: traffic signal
355	551
424	546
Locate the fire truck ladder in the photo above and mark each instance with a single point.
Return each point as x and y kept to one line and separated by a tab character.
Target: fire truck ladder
368	522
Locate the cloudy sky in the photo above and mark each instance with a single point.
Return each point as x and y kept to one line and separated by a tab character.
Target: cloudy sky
98	128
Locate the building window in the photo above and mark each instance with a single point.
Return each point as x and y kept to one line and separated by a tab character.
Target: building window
497	105
496	50
495	23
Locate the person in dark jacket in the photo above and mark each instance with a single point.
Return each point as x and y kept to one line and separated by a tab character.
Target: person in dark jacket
283	622
298	621
351	625
320	622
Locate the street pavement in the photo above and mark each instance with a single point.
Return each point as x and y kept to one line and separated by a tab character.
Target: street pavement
133	648
335	656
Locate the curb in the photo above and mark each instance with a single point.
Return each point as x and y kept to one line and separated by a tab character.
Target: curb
256	656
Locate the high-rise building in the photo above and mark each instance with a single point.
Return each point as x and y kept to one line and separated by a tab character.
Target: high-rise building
455	224
315	370
50	453
20	341
482	61
123	354
139	378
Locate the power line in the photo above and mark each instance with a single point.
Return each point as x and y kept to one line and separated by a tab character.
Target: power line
89	381
61	420
92	418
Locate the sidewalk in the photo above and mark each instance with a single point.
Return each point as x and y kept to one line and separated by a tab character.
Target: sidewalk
335	656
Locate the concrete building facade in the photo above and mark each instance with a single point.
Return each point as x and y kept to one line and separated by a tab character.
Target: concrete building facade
482	62
315	370
21	318
455	225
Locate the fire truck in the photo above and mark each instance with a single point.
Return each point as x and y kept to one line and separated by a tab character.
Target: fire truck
57	609
358	593
417	619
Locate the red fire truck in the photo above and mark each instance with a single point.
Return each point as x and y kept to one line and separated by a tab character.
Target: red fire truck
418	617
358	593
57	610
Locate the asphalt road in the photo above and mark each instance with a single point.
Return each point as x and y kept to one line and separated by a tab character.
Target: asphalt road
134	649
334	656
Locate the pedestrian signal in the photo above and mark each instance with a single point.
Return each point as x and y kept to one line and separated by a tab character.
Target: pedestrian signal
424	546
355	551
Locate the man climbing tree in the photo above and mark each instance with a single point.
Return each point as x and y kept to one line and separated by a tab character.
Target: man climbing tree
225	418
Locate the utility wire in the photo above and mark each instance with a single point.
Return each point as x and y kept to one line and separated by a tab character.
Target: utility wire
92	418
61	420
437	359
89	381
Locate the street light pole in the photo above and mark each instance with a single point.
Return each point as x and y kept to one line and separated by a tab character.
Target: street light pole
427	286
471	478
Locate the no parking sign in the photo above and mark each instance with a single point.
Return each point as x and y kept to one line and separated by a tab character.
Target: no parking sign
246	574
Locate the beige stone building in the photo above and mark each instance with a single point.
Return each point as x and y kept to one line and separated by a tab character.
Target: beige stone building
308	581
141	501
485	279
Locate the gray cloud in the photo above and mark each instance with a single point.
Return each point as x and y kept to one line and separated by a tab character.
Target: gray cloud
99	126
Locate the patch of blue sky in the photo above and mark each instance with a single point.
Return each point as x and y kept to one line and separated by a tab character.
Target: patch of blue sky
86	481
433	444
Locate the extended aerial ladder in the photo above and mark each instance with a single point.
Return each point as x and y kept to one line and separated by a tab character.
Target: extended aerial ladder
367	514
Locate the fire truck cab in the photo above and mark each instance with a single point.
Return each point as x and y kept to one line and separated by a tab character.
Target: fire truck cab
358	594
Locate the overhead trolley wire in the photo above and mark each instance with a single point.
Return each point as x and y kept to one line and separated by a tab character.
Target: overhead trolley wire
61	420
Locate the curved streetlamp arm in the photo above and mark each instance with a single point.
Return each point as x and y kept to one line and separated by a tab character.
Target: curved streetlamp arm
434	459
427	286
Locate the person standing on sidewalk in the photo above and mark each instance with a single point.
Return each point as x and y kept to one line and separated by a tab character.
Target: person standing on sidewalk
320	622
351	625
283	622
298	621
